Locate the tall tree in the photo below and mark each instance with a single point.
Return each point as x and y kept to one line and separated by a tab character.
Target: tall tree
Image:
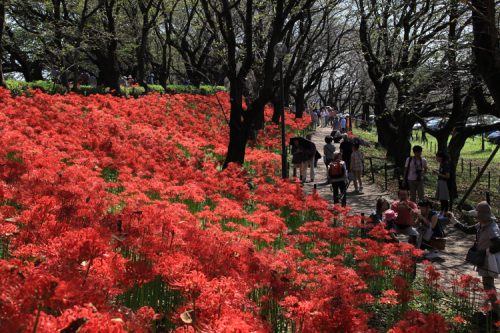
104	51
2	26
396	38
234	21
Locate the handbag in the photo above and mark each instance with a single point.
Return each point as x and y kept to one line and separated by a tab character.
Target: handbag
474	255
438	243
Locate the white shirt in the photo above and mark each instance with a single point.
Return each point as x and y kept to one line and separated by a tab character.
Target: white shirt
416	164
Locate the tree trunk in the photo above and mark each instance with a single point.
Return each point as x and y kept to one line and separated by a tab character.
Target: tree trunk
455	146
193	76
238	126
111	71
163	75
276	108
366	111
141	56
2	26
397	141
58	41
300	102
487	46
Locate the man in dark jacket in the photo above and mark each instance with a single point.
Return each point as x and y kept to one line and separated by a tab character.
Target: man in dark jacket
346	150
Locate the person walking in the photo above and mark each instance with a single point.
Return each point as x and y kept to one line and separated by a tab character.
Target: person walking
314	119
336	124
324	117
338	177
487	239
311	155
328	150
331	115
443	188
343	124
415	169
299	160
346	150
356	168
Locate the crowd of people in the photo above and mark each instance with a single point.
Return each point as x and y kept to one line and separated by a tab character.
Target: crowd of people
328	116
413	213
425	228
342	167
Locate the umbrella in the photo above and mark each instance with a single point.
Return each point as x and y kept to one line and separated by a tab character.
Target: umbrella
494	137
303	151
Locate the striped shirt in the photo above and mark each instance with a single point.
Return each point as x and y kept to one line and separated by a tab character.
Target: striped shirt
357	161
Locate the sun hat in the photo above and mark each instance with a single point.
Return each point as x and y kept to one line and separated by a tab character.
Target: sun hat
390	215
482	212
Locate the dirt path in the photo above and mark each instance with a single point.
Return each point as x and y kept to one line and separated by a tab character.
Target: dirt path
451	263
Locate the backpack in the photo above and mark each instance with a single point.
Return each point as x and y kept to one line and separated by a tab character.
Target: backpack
336	169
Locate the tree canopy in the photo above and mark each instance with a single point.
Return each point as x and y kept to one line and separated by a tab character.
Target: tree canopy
403	61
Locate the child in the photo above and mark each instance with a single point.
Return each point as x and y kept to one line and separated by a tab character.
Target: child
356	168
381	207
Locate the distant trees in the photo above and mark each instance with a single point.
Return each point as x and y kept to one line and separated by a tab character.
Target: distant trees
403	60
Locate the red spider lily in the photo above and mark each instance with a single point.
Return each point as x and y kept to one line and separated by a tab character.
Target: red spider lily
99	194
417	322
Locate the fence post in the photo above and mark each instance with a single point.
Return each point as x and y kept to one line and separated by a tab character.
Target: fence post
479	170
470	168
489	180
488	197
373	174
462	165
385	176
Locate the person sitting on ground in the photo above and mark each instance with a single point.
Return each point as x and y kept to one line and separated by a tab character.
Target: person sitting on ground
338	177
378	214
430	227
389	220
487	238
404	223
356	168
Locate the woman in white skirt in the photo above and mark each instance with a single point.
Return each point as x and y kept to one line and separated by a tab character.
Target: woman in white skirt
487	238
443	174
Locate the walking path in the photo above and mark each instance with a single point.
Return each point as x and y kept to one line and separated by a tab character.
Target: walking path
452	260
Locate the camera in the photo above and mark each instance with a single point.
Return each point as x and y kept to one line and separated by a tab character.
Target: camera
419	174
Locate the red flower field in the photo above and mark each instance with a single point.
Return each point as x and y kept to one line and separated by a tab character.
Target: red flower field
116	217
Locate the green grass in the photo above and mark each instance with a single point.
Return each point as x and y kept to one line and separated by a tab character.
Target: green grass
472	158
21	87
471	151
